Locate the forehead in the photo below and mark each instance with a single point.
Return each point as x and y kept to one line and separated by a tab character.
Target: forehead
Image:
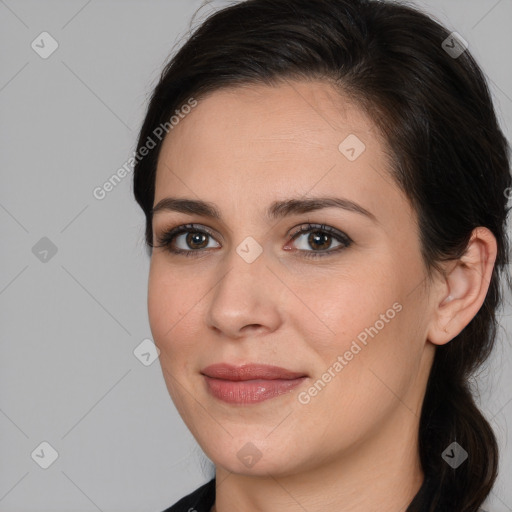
292	116
267	142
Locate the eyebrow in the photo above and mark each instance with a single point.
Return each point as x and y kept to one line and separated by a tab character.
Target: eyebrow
278	209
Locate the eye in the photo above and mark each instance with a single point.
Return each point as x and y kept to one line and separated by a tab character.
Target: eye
321	237
196	239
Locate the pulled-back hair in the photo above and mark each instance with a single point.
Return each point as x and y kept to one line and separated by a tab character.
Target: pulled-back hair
449	157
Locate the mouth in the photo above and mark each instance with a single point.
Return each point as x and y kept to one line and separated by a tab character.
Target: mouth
249	383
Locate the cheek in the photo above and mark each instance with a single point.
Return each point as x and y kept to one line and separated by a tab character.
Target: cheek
355	307
165	309
374	354
174	309
370	337
158	304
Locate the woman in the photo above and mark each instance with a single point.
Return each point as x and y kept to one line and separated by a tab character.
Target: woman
325	196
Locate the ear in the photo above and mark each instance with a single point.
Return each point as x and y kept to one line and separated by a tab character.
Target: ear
461	291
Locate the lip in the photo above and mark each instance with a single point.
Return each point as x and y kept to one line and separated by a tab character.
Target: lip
250	383
226	371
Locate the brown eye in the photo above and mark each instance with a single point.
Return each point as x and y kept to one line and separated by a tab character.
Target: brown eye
320	239
195	241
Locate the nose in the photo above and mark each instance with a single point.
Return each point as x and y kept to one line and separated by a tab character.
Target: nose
248	297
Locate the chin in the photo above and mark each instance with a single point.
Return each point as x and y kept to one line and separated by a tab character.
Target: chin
253	455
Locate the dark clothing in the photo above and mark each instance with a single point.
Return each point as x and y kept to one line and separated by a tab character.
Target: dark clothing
203	498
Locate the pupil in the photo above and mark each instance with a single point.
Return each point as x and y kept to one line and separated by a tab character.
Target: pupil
194	238
315	236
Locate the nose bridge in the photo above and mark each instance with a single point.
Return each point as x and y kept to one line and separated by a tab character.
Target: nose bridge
243	295
245	273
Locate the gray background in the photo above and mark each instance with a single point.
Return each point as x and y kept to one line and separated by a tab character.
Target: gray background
69	324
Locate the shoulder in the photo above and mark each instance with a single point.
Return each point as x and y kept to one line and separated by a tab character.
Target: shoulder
200	500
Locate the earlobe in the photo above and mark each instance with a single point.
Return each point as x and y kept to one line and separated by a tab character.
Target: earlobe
463	288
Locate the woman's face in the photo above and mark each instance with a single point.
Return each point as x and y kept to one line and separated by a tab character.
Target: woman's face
350	323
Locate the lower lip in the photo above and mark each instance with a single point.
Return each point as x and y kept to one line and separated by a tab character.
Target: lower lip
250	391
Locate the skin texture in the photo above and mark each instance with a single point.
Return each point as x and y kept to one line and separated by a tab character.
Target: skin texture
353	446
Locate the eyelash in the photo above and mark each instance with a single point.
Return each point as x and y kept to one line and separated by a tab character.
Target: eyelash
165	240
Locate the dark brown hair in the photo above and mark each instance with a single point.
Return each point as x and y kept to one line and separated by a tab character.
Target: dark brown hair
449	156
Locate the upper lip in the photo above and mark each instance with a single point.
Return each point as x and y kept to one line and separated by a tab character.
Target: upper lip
226	371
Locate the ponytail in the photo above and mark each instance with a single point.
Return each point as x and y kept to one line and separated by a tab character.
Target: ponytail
450	415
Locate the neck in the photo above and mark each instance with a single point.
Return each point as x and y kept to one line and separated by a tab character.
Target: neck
382	474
